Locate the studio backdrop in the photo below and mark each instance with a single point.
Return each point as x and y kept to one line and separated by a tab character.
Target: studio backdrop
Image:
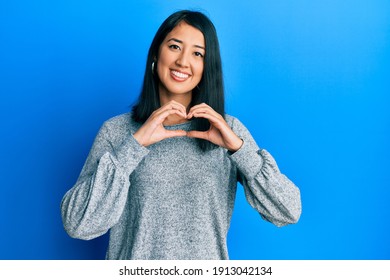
310	79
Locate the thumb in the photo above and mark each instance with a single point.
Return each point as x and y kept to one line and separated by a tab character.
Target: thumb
197	134
175	133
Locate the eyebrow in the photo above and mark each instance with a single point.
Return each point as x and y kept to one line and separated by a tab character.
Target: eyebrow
181	42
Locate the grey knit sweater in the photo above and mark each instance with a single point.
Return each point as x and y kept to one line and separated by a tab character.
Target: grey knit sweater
170	200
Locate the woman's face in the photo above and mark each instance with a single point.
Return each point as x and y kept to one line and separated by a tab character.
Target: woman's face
181	60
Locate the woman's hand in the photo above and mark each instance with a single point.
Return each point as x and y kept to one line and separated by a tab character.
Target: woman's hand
219	133
153	131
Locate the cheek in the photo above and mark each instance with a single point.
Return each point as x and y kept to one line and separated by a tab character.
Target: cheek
159	69
162	69
199	70
197	66
163	60
160	65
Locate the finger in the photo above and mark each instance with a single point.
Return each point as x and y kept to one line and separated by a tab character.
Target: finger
198	106
207	115
198	134
217	122
163	115
173	107
176	105
170	105
203	109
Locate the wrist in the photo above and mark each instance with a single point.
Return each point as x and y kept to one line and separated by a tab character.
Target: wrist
237	145
138	138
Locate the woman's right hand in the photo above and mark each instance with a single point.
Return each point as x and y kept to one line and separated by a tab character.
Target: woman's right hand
153	131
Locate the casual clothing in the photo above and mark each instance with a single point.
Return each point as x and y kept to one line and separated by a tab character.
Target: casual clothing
171	200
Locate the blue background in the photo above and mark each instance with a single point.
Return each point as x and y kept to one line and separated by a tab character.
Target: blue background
310	79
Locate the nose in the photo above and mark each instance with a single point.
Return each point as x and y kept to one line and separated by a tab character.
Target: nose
183	60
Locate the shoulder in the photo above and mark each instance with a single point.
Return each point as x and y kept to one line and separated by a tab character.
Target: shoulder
229	119
119	124
237	126
121	119
233	122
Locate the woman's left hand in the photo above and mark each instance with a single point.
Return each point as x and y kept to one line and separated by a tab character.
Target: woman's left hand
219	132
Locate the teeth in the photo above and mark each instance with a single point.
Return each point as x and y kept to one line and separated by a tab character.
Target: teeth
180	75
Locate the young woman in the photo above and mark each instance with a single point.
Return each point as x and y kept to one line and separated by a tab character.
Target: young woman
163	178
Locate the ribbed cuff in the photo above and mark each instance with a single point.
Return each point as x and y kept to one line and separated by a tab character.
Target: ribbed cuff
247	160
131	153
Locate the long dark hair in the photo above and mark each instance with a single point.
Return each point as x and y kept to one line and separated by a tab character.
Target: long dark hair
209	90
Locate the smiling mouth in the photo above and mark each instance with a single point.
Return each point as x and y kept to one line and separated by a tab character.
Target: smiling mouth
179	75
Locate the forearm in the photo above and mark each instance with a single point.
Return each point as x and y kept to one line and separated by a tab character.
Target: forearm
270	192
94	204
98	198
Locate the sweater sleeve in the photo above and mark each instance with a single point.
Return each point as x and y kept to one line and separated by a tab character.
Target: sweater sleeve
96	201
267	190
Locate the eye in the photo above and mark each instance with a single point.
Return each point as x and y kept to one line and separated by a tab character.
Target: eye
174	47
198	54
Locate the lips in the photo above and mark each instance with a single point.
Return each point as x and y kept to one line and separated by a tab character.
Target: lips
179	76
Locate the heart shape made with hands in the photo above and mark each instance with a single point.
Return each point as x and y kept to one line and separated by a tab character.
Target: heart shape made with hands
219	133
